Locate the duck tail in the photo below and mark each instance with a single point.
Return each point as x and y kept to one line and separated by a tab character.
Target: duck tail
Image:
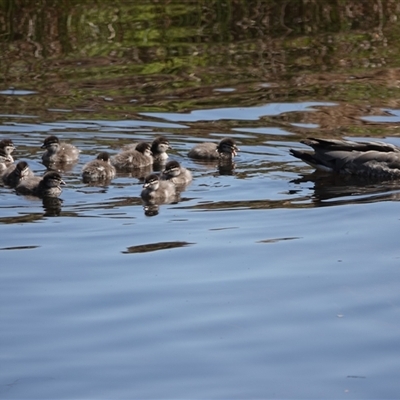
310	159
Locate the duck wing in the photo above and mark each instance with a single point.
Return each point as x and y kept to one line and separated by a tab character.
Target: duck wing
371	159
322	145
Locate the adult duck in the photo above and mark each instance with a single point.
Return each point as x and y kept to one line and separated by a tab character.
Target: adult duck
377	160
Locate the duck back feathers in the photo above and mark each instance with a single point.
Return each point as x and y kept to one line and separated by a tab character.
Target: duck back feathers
176	174
58	152
225	149
98	169
368	159
139	157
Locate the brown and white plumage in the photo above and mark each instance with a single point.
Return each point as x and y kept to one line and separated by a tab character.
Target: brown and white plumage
47	186
58	152
176	174
159	148
98	169
4	163
154	189
140	157
369	159
16	173
226	149
6	148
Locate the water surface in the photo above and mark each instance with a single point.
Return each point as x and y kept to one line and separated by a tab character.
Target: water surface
264	280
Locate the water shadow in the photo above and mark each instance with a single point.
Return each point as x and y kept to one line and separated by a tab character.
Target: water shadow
145	248
333	189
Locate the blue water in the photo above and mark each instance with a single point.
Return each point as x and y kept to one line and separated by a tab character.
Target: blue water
251	286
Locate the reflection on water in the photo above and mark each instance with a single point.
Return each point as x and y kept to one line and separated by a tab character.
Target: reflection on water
330	189
257	285
19	248
52	206
155	246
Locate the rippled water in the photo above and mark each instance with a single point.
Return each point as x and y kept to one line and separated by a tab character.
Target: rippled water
253	285
265	280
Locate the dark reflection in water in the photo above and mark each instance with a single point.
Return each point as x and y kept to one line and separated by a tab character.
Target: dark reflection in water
275	240
19	248
52	206
328	187
19	219
109	204
223	167
139	173
151	210
60	167
152	207
145	248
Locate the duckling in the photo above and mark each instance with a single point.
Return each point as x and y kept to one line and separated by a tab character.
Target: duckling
58	152
159	148
376	160
28	186
176	174
226	149
157	190
4	163
6	148
140	157
15	173
98	169
47	186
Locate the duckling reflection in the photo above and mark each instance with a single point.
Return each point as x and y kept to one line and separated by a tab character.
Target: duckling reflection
58	152
138	173
151	210
52	206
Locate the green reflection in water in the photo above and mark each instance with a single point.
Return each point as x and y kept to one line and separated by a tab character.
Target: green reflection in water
113	59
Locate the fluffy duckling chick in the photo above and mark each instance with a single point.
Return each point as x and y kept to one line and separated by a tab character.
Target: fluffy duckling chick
15	173
226	149
157	190
58	152
159	148
176	174
98	169
140	157
47	186
6	148
4	163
